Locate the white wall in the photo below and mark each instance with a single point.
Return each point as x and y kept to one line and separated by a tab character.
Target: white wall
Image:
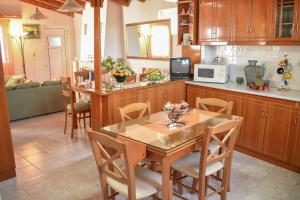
114	34
148	11
36	57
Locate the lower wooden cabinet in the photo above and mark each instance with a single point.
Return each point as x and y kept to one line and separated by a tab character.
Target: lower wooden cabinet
295	154
157	95
278	131
251	135
271	127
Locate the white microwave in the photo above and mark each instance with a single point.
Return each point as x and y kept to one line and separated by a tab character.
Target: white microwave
211	73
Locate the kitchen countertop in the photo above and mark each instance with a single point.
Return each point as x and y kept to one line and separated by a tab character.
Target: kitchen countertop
291	95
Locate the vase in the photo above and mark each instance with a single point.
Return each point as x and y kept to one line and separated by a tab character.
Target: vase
251	71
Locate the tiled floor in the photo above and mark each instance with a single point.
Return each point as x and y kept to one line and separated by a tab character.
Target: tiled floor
50	166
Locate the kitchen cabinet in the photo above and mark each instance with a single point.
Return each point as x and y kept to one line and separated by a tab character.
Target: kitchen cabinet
270	129
214	20
249	20
285	20
251	136
278	131
118	100
157	95
295	155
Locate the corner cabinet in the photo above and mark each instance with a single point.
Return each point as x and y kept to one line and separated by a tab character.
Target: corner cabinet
271	127
285	24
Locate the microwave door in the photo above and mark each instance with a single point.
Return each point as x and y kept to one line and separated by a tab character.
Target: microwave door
206	73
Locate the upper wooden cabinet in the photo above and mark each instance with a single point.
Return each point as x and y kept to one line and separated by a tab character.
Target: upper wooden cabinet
285	22
214	20
249	19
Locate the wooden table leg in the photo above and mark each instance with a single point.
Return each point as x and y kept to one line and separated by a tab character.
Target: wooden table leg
167	185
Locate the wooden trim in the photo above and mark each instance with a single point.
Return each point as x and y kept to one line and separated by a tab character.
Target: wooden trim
4	16
145	58
165	21
7	160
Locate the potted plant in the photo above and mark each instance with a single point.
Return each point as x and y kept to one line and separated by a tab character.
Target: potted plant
108	65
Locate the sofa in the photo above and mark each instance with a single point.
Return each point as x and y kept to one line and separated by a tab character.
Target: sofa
32	99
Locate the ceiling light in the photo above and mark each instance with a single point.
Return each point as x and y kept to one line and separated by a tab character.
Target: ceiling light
70	6
38	15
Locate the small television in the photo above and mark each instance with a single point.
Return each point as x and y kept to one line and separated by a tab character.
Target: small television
180	68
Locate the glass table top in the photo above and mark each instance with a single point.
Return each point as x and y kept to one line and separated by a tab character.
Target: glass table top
153	130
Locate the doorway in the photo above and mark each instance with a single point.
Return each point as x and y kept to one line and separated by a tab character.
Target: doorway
56	51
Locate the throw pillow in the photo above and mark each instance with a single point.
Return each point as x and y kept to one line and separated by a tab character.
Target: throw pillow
15	79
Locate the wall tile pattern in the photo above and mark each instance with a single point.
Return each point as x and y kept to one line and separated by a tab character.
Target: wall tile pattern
237	57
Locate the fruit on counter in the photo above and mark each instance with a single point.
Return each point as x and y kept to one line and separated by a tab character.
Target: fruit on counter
253	86
154	75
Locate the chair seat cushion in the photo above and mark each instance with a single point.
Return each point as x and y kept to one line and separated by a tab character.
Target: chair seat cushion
147	183
189	165
80	106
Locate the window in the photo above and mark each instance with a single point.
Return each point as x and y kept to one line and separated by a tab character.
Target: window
160	41
3	52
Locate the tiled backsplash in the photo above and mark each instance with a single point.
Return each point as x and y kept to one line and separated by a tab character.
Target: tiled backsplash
237	57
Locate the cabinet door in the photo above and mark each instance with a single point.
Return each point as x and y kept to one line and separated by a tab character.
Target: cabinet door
221	20
251	136
154	95
259	19
295	158
192	93
284	23
240	19
118	100
278	131
175	92
205	20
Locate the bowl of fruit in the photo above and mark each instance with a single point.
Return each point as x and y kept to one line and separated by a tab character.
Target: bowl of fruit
260	85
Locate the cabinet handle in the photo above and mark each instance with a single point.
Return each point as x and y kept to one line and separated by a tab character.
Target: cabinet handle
250	29
296	120
297	27
263	114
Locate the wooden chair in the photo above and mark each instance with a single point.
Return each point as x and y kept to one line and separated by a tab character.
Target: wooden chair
204	164
117	161
80	76
141	108
223	106
78	110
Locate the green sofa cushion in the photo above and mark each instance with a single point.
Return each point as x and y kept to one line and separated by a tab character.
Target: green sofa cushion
47	83
80	106
27	85
9	88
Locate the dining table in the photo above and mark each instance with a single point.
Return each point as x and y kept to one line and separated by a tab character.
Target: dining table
165	142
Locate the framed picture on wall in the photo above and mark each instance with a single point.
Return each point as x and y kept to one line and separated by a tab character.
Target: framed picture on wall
33	31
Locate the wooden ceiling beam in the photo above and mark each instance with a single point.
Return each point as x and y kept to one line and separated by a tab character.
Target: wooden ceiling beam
43	5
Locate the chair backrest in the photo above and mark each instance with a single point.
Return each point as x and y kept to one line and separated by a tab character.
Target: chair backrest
225	135
223	106
81	75
66	88
108	152
141	108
